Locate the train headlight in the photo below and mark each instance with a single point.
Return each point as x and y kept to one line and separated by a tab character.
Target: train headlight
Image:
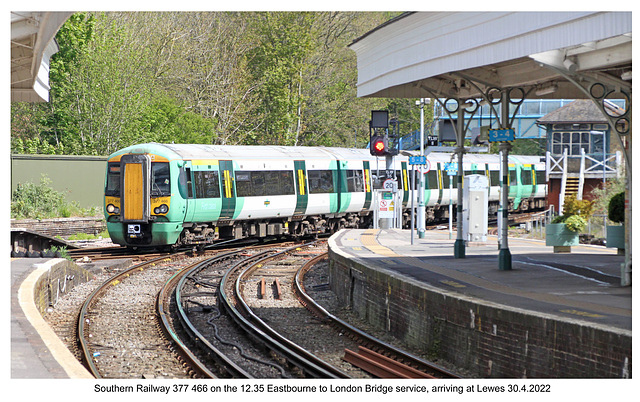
112	209
162	209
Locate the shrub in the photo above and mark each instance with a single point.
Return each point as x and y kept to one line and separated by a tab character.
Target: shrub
576	213
39	201
576	223
616	208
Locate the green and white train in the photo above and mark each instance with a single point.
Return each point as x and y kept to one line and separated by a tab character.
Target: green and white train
170	195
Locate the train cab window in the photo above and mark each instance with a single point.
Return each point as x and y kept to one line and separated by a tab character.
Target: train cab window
160	179
207	184
320	181
355	181
112	188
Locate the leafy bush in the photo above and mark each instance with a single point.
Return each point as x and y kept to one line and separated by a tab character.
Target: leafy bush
616	208
576	213
39	201
576	223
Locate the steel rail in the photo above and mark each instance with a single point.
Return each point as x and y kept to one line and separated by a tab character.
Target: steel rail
360	336
197	337
253	325
82	315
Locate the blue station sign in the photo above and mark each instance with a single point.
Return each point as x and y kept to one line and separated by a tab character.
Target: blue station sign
502	135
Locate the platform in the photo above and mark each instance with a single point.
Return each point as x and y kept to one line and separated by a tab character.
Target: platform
408	288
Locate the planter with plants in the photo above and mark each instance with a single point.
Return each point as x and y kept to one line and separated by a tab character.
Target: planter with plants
615	233
564	231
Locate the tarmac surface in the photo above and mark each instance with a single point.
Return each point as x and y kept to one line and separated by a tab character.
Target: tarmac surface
584	284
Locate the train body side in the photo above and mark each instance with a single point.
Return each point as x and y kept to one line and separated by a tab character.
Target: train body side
166	195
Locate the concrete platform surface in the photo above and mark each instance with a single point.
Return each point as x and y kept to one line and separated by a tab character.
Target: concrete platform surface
583	284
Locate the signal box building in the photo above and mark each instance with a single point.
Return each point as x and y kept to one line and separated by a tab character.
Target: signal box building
581	155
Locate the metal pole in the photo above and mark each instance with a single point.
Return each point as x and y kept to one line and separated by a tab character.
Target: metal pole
413	213
421	207
459	246
504	256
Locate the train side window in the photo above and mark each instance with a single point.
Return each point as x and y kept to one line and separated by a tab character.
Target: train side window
286	182
207	184
261	183
494	178
185	185
525	177
513	178
541	177
320	181
112	188
243	184
399	179
451	180
355	181
432	180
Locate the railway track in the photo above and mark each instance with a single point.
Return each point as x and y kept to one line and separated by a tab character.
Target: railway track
228	314
379	358
116	327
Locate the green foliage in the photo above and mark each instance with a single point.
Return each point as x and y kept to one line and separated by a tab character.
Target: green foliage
576	213
574	206
616	208
40	201
576	223
122	78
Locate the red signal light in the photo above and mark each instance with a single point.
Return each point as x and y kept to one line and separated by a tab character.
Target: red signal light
378	146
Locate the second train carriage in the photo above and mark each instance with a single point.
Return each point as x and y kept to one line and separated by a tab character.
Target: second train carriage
174	194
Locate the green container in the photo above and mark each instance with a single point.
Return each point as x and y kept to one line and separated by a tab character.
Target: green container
615	236
561	238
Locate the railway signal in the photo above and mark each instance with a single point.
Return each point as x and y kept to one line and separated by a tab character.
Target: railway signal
378	145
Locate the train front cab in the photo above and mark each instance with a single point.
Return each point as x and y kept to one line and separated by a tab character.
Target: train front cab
138	200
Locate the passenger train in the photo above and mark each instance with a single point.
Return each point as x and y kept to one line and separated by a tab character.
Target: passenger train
172	195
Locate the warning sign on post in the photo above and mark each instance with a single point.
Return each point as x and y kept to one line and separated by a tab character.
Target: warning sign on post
386	206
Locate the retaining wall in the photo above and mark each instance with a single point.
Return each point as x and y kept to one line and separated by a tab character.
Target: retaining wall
62	276
486	339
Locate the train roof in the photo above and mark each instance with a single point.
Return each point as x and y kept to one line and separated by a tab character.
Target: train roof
265	152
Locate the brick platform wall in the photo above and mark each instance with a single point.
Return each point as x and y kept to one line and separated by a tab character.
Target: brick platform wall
487	340
63	227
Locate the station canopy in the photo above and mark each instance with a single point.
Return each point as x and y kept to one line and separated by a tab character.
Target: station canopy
461	54
32	45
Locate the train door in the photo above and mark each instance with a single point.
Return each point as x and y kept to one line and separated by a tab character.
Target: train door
203	191
302	194
135	174
367	185
403	181
228	192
